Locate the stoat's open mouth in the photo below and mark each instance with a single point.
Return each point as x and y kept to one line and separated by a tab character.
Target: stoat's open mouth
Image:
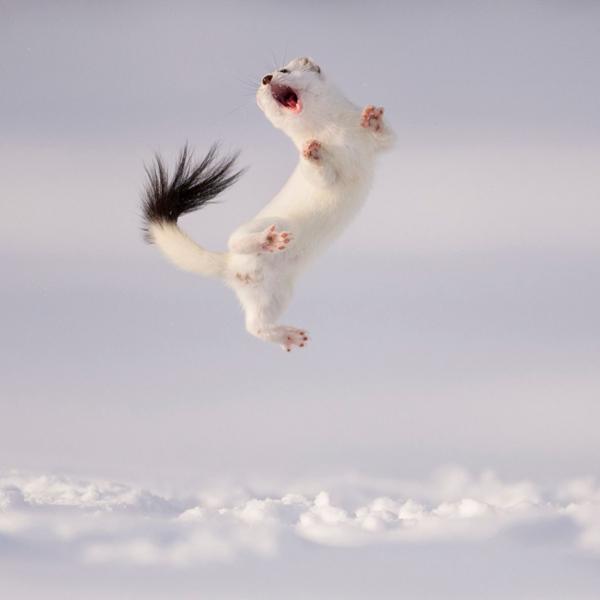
286	96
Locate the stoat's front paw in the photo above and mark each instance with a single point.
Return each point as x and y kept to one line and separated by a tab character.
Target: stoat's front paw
312	150
275	241
372	117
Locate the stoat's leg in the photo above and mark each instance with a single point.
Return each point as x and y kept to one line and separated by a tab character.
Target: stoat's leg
316	163
268	240
263	306
372	120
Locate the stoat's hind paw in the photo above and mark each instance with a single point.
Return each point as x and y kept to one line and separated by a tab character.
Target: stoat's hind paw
312	150
372	117
292	337
275	241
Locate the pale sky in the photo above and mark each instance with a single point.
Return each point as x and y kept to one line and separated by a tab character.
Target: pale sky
455	322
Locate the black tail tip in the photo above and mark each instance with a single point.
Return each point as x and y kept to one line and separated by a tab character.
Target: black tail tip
192	185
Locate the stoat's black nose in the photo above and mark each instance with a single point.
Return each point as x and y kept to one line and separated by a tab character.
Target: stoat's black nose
267	79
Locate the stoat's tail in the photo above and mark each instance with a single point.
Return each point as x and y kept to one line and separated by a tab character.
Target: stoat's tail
191	187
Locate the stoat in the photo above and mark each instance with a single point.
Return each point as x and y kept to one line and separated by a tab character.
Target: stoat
337	143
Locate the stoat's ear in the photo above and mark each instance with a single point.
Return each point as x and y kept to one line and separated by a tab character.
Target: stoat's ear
309	64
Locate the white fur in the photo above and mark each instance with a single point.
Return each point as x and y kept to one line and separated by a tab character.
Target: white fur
315	204
184	252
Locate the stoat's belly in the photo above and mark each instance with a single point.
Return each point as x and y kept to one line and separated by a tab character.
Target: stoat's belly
254	269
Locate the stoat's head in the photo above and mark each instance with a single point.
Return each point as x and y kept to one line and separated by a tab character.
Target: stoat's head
297	96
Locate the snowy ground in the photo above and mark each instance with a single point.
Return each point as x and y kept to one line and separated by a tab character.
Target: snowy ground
114	534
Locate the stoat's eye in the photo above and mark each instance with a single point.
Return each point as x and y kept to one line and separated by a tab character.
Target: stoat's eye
284	70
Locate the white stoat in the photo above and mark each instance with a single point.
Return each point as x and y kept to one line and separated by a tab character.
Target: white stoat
337	143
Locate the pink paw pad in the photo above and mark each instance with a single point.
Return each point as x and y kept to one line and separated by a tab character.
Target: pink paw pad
293	337
372	117
312	150
275	240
